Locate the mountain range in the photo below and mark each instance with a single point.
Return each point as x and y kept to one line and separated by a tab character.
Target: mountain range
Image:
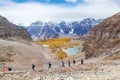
45	30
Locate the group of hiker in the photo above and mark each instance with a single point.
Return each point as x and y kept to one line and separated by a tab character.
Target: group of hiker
4	69
62	64
69	62
49	65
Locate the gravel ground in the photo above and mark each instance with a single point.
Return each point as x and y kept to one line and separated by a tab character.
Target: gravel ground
108	70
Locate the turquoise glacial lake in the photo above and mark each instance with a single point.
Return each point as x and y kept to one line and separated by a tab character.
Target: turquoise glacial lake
71	51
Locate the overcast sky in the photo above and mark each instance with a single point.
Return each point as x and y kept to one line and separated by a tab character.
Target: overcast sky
27	11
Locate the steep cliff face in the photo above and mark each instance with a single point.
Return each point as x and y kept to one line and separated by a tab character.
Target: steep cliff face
8	29
103	38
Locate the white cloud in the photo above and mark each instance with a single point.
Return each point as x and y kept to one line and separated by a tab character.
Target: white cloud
73	1
29	12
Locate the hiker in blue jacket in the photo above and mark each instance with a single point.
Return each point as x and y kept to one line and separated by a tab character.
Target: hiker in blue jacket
33	67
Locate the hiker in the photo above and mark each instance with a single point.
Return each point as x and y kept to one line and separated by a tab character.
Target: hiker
4	69
82	62
9	69
63	64
49	65
33	67
69	63
74	61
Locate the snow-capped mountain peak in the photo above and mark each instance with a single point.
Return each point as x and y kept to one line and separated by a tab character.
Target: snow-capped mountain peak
45	30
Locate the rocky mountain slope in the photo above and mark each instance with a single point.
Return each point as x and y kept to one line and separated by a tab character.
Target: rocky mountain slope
17	54
17	49
104	38
8	29
45	30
